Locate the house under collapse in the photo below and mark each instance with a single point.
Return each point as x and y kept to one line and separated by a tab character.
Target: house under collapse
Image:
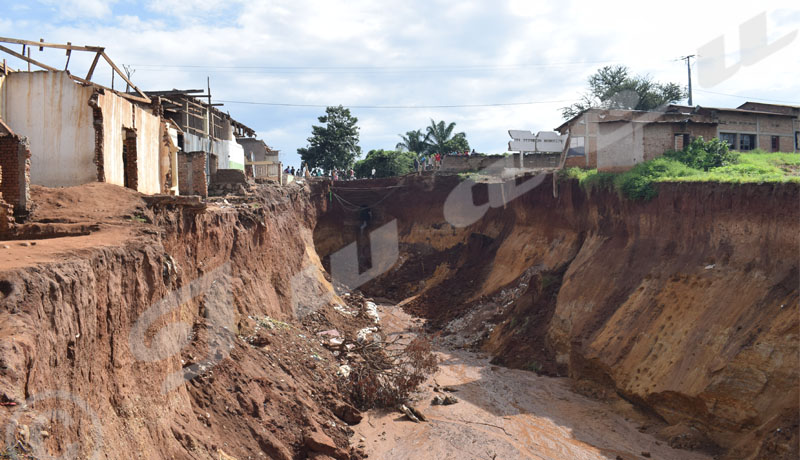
78	131
617	140
262	162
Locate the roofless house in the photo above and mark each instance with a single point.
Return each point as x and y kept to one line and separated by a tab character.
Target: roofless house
81	131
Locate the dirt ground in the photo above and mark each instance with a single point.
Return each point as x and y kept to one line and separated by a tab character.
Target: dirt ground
504	414
81	218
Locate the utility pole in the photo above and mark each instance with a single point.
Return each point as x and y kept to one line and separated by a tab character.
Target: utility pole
688	60
129	71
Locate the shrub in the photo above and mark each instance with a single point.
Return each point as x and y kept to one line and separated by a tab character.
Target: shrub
387	373
637	184
704	155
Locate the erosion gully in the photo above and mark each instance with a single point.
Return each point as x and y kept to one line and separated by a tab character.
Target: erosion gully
572	323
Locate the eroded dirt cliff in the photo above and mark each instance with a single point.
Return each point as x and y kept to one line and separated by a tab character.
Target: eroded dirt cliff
686	305
85	331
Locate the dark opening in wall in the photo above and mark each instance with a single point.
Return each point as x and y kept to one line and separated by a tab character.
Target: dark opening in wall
129	162
6	288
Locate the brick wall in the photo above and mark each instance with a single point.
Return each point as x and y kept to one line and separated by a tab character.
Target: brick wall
131	159
6	216
192	178
572	162
5	208
16	172
542	160
457	164
230	176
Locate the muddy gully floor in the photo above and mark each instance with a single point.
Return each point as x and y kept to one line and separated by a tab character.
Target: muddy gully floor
505	414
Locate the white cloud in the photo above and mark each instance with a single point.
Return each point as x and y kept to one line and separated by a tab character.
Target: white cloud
74	9
570	41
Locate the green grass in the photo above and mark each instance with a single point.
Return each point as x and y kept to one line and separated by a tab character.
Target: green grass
753	167
640	183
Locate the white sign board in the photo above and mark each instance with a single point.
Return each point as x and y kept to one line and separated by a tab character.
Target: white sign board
543	142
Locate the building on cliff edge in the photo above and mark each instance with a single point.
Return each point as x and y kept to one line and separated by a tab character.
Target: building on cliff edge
617	140
79	131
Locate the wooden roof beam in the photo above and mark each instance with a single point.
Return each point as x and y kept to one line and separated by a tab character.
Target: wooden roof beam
94	64
124	77
76	78
42	44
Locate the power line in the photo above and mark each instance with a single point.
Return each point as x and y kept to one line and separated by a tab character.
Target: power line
365	69
453	106
748	97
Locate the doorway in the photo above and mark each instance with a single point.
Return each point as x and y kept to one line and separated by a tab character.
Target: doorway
129	163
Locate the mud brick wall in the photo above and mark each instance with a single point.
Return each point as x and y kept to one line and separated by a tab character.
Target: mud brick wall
5	208
131	163
542	160
192	178
6	216
16	172
229	176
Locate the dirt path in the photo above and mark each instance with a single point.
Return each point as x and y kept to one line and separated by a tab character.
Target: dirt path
504	414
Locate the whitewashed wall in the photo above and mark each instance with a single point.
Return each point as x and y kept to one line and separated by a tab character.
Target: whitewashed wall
230	154
53	112
118	114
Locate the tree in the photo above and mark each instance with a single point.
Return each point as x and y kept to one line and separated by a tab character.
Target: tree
612	87
440	139
387	163
335	145
414	141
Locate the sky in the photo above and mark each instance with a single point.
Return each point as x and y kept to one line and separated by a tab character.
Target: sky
488	66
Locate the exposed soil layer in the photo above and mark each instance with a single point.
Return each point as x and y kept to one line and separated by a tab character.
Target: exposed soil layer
213	373
686	305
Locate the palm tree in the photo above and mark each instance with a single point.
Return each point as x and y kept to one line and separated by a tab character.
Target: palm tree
440	138
413	141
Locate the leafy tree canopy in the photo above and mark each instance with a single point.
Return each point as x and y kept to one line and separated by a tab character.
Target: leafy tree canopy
441	139
387	163
612	87
413	141
335	144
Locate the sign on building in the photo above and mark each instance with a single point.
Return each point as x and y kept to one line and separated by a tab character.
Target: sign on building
543	142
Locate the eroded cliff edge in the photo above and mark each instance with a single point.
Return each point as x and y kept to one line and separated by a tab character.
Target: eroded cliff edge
686	305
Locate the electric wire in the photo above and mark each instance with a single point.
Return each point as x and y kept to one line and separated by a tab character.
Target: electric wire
443	106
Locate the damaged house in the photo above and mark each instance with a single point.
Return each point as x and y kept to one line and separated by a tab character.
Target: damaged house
206	137
616	139
79	131
262	161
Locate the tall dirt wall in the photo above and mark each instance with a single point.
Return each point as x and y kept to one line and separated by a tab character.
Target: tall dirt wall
686	305
71	339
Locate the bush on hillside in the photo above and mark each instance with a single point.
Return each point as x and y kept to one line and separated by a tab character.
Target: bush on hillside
637	184
703	155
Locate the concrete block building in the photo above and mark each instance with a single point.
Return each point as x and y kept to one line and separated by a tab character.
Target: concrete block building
617	140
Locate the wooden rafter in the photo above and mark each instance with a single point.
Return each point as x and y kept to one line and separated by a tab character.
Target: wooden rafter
124	77
98	50
41	45
94	64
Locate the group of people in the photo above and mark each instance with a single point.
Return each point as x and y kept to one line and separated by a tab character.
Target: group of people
434	161
336	174
427	162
